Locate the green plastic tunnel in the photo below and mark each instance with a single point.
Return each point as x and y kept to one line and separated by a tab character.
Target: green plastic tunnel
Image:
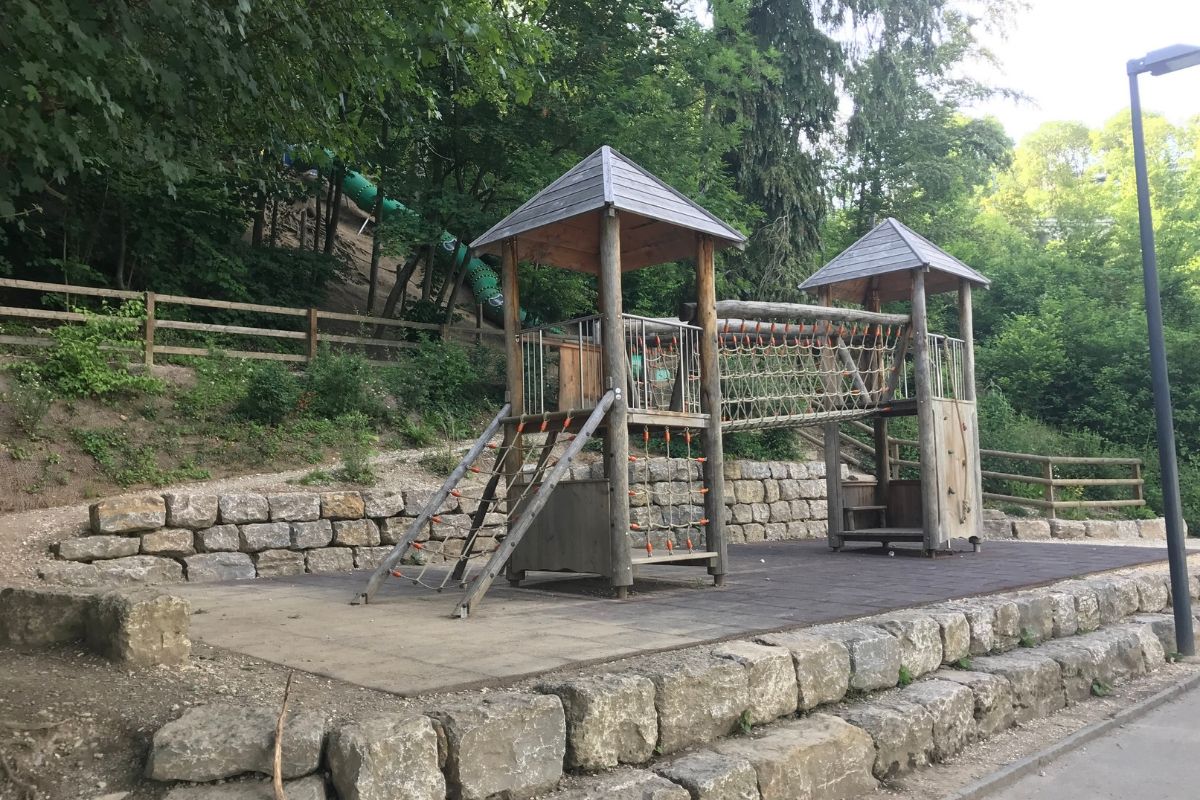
481	278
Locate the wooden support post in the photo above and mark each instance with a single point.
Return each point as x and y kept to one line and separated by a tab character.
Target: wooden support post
883	461
926	435
148	345
710	399
1048	474
514	372
966	331
833	457
312	334
616	435
1138	487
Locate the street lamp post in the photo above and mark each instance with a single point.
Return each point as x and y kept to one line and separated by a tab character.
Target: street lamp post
1160	62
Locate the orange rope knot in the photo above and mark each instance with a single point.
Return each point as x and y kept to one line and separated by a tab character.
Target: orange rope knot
436	519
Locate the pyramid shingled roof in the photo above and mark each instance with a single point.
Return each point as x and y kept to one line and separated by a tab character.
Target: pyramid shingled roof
887	253
550	228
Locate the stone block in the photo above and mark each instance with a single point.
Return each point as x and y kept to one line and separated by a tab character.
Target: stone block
415	500
770	676
239	509
187	510
1152	593
1101	529
1152	528
93	548
747	491
611	719
756	470
392	530
818	509
389	757
952	707
1067	529
342	505
770	492
128	514
875	655
208	567
259	536
1035	616
781	511
1031	529
218	539
798	471
371	557
276	563
1116	596
754	532
307	535
1120	650
1080	665
920	640
70	573
1153	652
699	698
380	503
819	757
822	666
294	507
42	617
138	570
220	740
1087	606
801	510
760	512
1065	617
169	542
356	533
789	489
707	775
622	784
742	513
812	489
997	529
1163	626
1126	528
503	744
311	787
1006	625
981	621
776	531
993	699
140	628
902	732
955	633
1036	682
329	559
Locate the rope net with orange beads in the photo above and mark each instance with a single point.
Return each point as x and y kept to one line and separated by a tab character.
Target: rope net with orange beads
777	375
489	505
666	508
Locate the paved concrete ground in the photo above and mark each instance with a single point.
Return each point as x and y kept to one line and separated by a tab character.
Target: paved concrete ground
1153	758
406	642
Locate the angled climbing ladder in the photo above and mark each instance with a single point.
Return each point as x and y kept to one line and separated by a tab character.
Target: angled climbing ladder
525	496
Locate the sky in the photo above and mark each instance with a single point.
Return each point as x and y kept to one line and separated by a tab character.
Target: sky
1069	57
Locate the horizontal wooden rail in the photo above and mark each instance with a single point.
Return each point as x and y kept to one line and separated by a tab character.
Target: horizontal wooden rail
310	334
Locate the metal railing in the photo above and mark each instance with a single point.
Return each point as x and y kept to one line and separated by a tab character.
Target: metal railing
563	370
946	356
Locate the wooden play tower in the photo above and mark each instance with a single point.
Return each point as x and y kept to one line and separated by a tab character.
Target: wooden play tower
674	385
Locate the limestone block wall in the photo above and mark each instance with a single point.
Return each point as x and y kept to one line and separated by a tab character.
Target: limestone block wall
195	536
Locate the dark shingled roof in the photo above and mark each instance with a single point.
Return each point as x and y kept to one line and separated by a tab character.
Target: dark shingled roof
886	254
549	225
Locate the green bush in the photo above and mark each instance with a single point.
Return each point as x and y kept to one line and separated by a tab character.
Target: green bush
31	402
91	359
357	446
271	395
446	380
778	444
336	384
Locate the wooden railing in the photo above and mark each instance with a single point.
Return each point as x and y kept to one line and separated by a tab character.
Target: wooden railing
1053	484
310	332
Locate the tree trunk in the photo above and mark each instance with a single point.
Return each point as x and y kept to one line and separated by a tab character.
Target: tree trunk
260	218
122	244
454	282
402	278
334	212
316	242
376	245
302	224
274	239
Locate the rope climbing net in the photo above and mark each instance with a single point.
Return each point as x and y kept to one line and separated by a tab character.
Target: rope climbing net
535	447
667	496
777	375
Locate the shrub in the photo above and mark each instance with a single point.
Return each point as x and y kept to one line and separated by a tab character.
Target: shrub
91	359
337	384
272	393
31	402
445	379
357	447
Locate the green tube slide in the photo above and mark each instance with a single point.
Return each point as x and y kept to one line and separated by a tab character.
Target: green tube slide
450	253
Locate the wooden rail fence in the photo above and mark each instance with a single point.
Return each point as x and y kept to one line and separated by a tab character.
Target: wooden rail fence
1053	485
311	334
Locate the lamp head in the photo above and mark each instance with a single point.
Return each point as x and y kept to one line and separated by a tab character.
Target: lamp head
1168	59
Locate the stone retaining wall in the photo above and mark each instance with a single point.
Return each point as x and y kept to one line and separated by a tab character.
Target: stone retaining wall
996	525
830	714
172	537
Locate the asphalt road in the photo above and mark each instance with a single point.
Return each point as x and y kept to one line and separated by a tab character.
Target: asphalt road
1156	757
